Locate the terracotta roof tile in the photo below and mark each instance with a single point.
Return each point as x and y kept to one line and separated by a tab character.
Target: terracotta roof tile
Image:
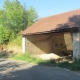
61	21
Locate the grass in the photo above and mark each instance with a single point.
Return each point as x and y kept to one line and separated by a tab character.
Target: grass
75	66
27	57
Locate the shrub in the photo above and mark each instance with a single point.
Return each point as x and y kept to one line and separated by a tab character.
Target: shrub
16	41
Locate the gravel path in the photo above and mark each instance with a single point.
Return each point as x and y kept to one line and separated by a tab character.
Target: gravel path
17	70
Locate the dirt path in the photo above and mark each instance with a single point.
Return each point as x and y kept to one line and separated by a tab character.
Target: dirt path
16	70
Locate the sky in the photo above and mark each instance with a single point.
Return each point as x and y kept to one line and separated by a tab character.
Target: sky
46	8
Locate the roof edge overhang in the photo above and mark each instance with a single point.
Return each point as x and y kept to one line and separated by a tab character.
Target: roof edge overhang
75	29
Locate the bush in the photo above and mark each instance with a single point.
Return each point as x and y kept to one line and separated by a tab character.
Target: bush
16	41
6	35
27	57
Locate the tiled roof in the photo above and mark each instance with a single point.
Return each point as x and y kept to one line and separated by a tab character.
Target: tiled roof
57	22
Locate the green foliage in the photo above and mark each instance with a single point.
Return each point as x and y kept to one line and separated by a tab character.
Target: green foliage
48	63
28	58
1	35
77	61
15	17
64	64
4	34
32	16
16	42
75	66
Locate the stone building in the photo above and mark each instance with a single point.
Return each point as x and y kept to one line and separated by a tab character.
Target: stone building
58	34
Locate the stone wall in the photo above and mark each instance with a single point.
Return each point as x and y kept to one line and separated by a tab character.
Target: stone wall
76	45
57	43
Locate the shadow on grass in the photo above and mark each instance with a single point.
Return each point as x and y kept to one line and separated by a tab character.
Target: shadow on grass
48	63
74	66
13	70
4	54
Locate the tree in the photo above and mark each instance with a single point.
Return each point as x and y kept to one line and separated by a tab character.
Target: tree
4	34
15	17
32	16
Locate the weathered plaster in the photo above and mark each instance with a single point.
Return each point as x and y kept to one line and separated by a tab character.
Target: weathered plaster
23	44
76	45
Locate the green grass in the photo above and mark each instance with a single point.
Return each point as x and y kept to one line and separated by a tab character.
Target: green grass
75	66
27	57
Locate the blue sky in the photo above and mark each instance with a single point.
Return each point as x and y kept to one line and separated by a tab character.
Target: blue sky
50	7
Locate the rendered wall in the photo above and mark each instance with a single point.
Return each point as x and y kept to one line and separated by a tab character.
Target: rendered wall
57	43
23	44
76	45
38	44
